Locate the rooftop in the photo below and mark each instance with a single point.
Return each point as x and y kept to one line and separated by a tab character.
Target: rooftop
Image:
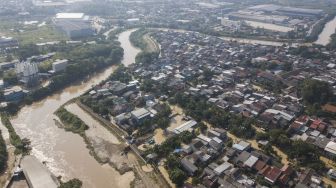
69	15
38	176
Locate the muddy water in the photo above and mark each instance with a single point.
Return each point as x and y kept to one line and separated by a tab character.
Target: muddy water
328	30
66	153
130	54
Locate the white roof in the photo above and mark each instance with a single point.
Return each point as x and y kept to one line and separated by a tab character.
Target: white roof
251	161
242	145
185	126
331	147
204	138
69	15
223	167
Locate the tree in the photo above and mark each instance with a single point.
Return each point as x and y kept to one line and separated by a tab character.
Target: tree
3	153
314	91
73	183
177	176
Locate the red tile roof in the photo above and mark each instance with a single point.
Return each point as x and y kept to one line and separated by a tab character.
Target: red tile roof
259	165
273	174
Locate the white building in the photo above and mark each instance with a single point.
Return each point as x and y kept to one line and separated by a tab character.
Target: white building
59	65
27	73
74	25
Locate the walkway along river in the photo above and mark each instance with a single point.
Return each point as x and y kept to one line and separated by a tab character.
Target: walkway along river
65	153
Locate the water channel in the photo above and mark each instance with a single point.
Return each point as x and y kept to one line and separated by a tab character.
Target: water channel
328	30
65	153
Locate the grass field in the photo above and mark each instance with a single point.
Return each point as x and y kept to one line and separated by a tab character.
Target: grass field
30	33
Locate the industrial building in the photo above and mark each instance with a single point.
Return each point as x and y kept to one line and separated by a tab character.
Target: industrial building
289	11
258	17
74	25
27	73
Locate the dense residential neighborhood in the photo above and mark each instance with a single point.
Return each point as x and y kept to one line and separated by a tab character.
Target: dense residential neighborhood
261	87
160	93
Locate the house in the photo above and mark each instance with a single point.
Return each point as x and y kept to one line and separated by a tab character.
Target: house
188	166
216	144
332	174
242	146
196	144
251	161
331	148
223	167
220	133
259	165
321	142
140	115
272	174
185	126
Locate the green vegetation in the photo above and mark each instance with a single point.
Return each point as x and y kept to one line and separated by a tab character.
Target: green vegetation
141	39
10	77
3	153
332	44
308	52
71	122
305	155
35	34
121	74
171	143
27	50
73	183
161	119
146	58
147	55
316	92
200	110
318	28
45	66
176	174
137	40
84	60
21	145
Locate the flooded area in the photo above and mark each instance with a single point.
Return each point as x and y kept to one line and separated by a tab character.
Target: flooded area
130	51
66	153
96	130
329	29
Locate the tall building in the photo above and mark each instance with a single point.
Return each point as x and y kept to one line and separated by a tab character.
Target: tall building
74	25
27	73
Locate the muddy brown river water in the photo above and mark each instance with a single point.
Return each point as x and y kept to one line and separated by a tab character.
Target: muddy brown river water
65	153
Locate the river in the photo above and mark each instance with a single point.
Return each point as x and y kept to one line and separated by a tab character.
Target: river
328	30
65	153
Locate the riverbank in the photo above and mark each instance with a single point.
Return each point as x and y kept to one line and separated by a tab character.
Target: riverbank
329	29
144	177
11	160
69	151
